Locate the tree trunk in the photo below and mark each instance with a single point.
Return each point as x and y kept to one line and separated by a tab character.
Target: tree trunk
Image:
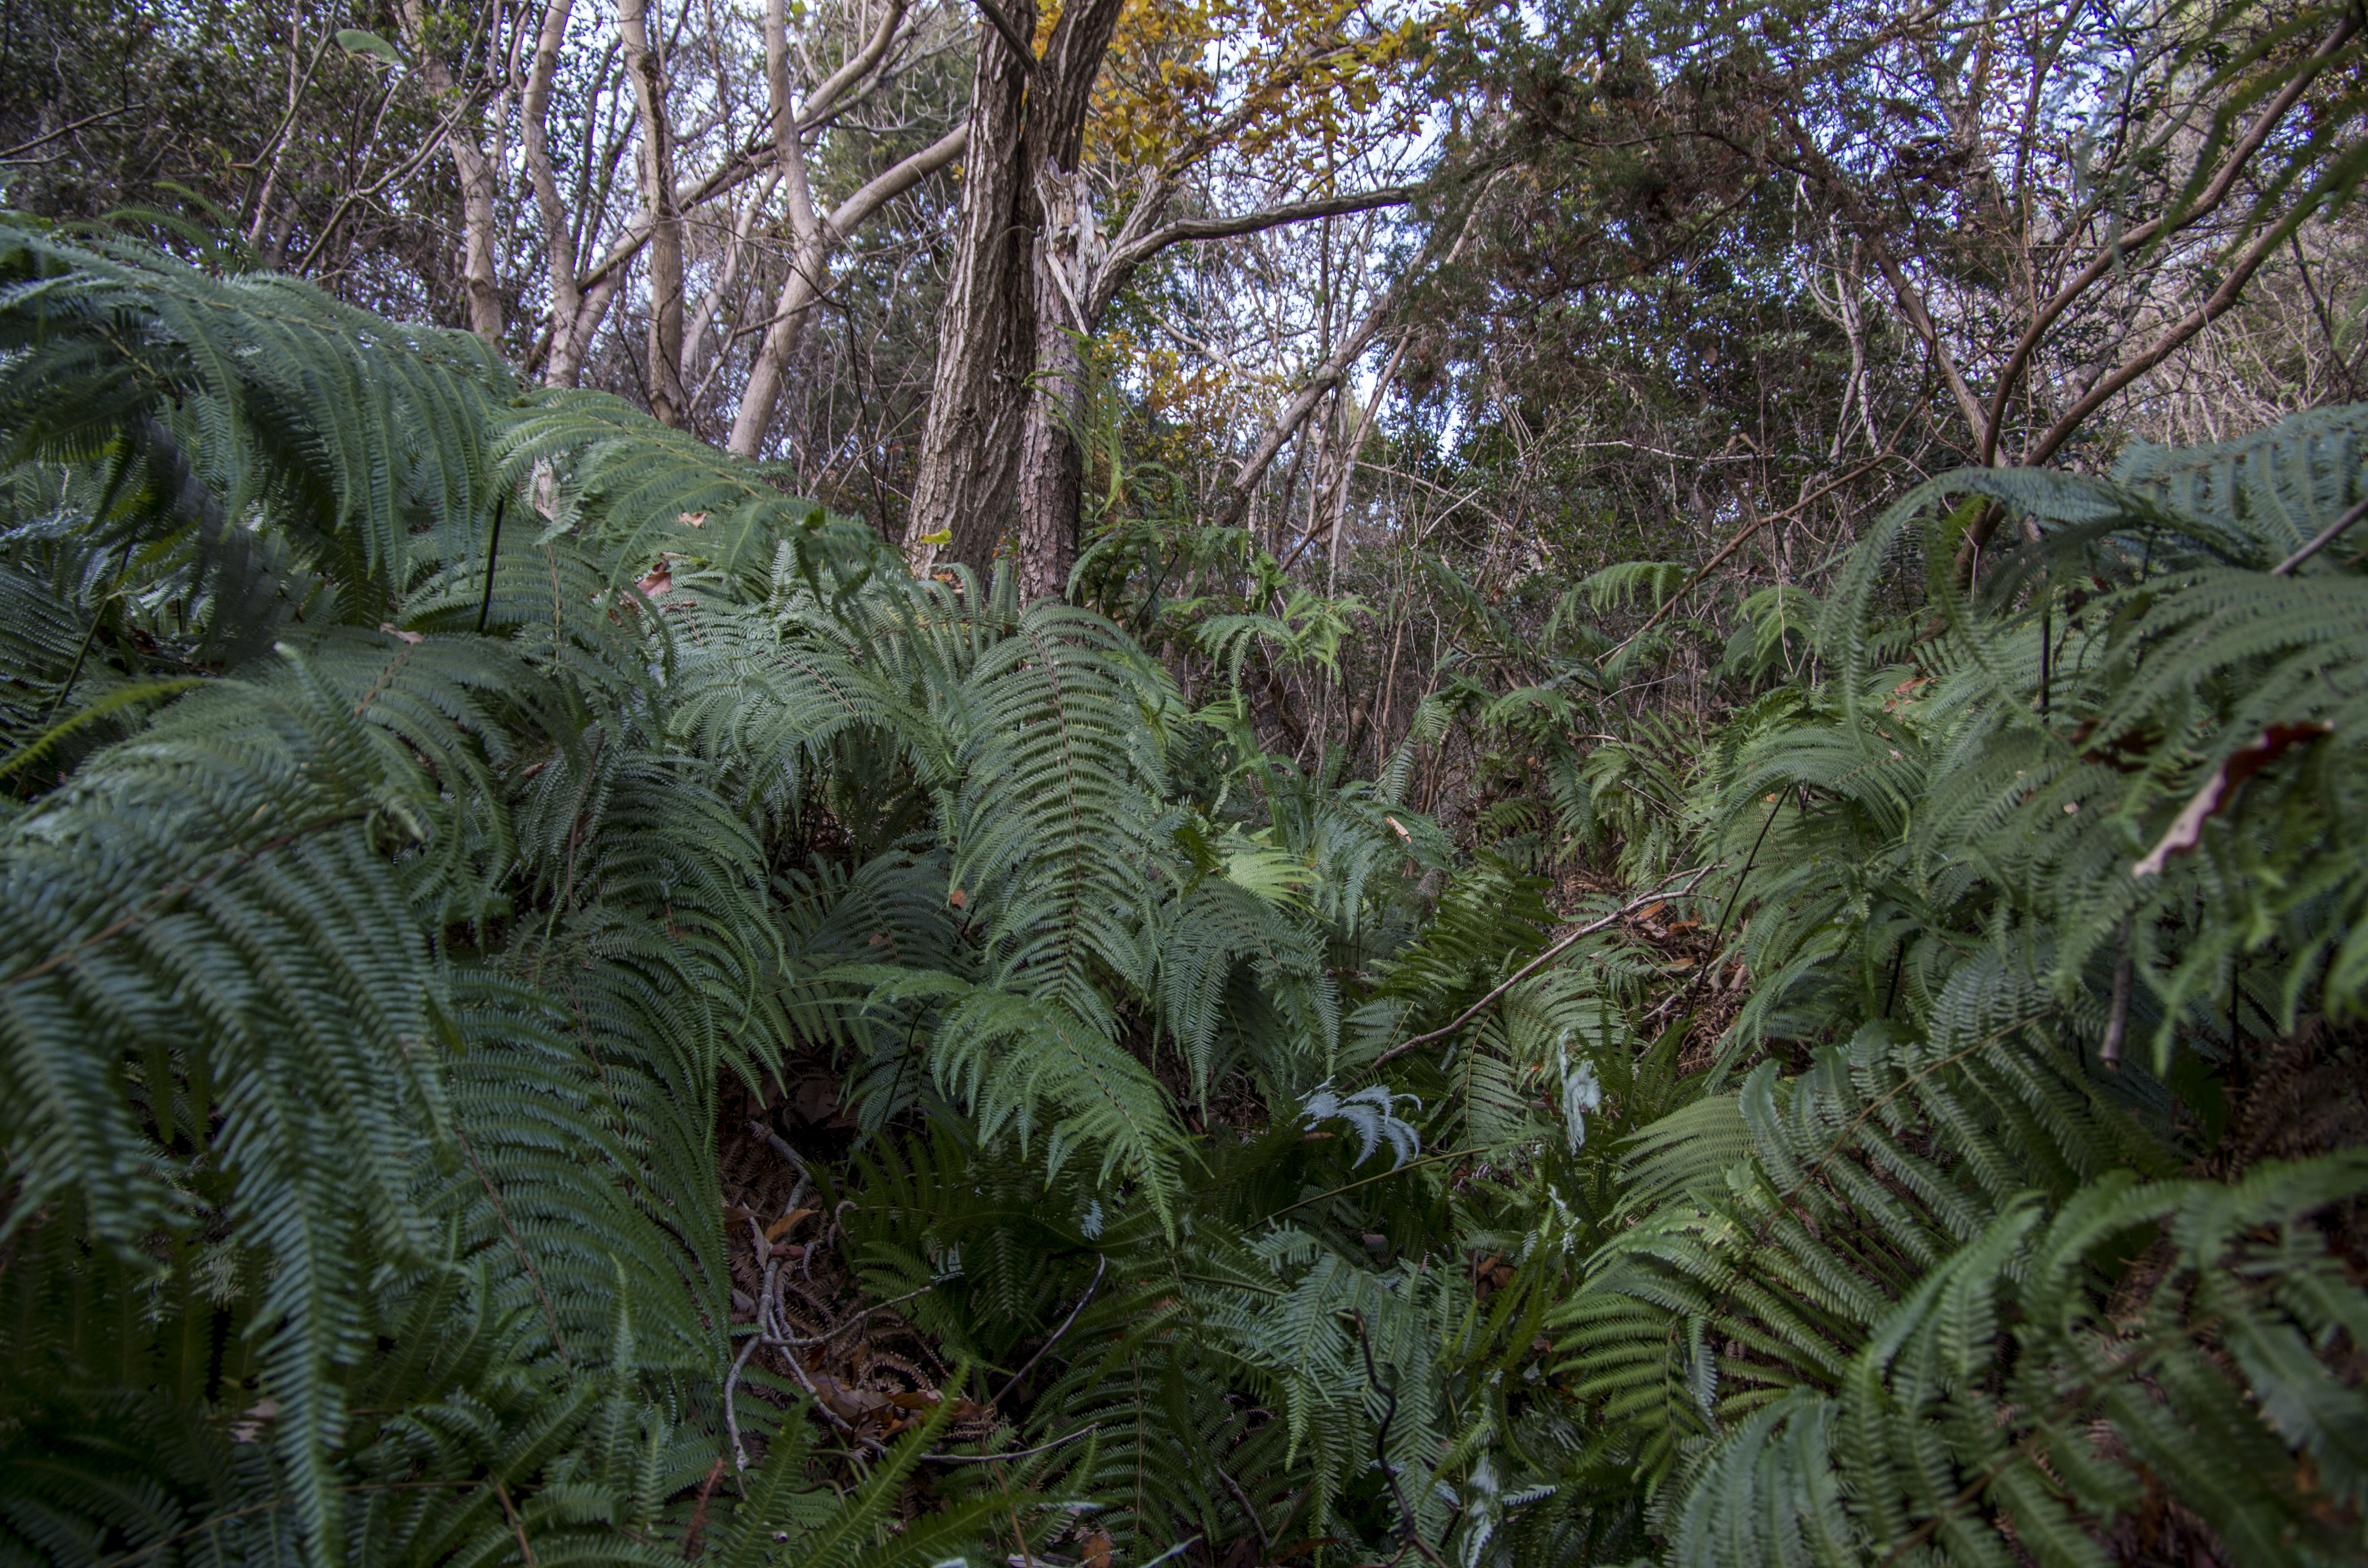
475	172
1051	468
1027	122
813	234
647	69
570	334
985	326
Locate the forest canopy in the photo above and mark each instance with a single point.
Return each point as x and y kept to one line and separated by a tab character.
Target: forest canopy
880	783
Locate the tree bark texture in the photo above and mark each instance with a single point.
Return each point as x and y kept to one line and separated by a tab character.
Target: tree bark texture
1052	468
1027	118
968	440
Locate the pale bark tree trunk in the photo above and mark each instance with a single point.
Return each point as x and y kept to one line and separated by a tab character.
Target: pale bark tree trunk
476	172
814	235
807	256
803	290
476	175
669	403
575	313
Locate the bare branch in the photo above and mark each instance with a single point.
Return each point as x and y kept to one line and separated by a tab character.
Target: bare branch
824	99
2319	541
1327	374
2179	332
892	182
808	275
2112	254
1131	253
1527	970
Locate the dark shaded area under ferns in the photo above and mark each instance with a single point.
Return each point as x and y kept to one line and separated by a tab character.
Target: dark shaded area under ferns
556	1006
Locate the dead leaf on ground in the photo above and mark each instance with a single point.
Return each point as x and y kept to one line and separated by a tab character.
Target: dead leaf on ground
787	1222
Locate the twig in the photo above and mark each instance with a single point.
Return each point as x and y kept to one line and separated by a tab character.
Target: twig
788	1341
740	1365
1003	25
2301	265
1368	1181
1406	1531
1718	942
8	154
2118	1023
781	1146
1530	968
1738	542
690	1542
1014	1454
1101	1265
516	1523
402	171
796	1162
1265	1544
2324	538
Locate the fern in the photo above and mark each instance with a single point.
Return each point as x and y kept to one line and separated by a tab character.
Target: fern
427	797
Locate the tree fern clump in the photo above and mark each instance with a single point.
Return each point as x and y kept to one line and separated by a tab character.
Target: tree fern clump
434	808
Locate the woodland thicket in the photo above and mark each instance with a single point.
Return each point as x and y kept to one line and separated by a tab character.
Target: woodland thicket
877	784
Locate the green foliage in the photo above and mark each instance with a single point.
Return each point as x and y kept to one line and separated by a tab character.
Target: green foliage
1944	1289
427	796
365	1008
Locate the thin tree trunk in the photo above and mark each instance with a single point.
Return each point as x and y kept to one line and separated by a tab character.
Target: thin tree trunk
668	404
567	343
808	254
816	235
475	172
1051	468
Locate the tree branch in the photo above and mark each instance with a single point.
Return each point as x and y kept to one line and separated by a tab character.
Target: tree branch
1020	48
736	171
824	98
1527	970
1131	253
2111	257
894	181
1737	542
2162	347
1328	373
